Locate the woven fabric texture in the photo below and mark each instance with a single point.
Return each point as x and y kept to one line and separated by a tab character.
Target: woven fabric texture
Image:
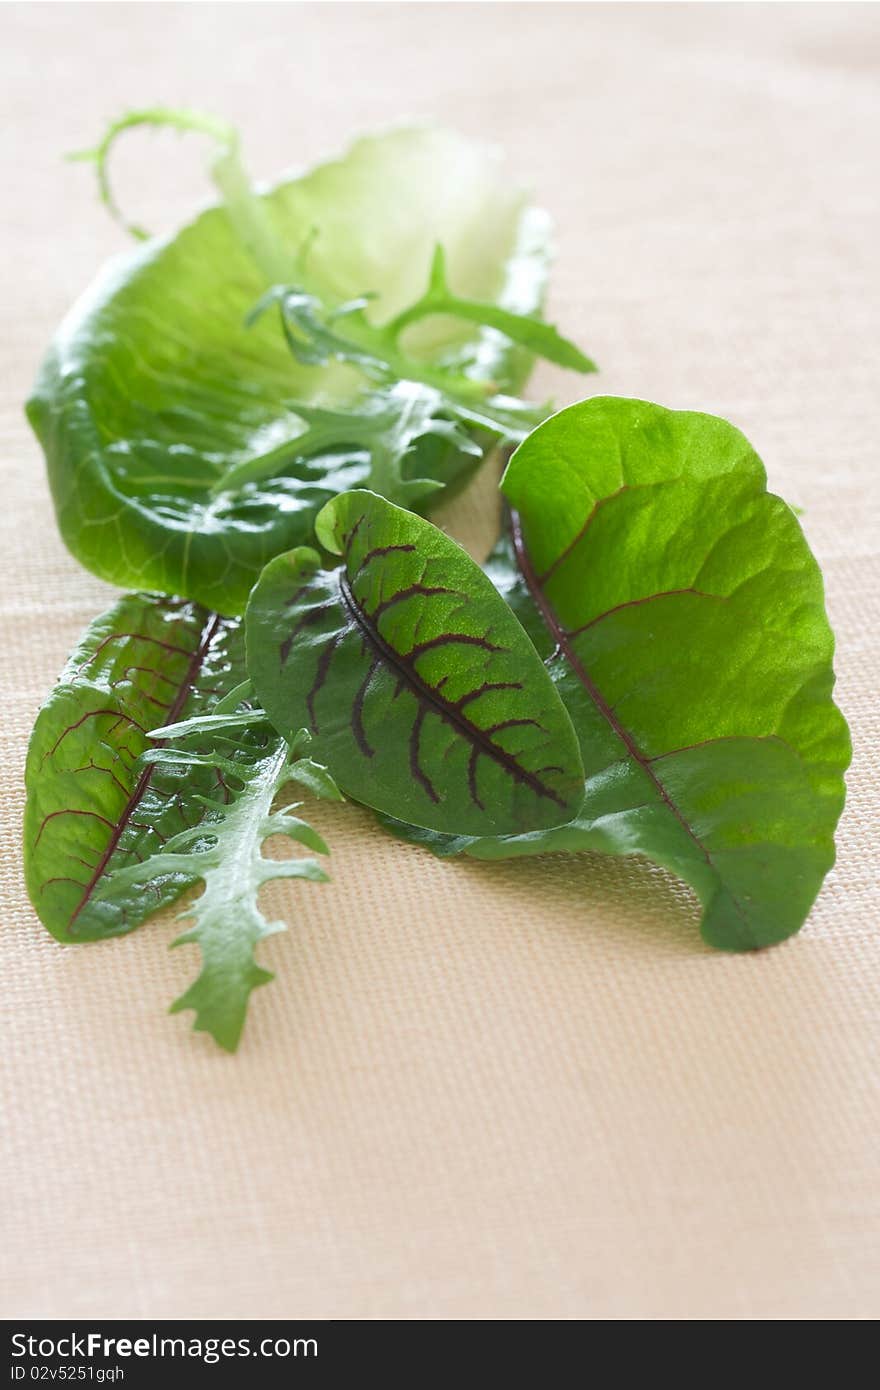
473	1091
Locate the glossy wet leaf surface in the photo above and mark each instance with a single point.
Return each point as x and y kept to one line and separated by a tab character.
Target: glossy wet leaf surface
155	393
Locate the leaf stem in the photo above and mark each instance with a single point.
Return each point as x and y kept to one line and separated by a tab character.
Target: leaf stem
247	212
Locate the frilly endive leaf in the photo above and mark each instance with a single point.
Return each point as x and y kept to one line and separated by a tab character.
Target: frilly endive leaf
681	615
180	447
225	852
424	695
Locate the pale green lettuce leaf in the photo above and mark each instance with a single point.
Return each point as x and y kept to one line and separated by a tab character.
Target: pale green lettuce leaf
155	391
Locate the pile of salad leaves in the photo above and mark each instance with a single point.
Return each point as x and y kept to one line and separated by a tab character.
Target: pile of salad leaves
246	425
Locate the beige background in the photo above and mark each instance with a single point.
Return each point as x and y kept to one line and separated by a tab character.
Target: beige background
506	1091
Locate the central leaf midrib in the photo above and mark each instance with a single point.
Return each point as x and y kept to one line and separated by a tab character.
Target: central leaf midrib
429	696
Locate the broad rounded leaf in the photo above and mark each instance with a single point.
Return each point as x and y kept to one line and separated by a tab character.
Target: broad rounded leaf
682	617
425	697
154	389
683	620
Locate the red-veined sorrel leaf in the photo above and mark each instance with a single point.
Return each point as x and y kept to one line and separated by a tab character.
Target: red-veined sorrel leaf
93	806
424	695
118	823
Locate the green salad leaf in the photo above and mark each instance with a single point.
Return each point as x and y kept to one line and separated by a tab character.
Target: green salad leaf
681	615
93	806
226	853
120	820
422	692
186	447
643	666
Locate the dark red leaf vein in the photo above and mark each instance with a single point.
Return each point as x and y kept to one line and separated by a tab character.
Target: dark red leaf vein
197	660
561	638
402	664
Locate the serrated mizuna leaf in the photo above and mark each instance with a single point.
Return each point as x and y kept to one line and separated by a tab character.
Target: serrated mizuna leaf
92	806
682	618
424	695
226	854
